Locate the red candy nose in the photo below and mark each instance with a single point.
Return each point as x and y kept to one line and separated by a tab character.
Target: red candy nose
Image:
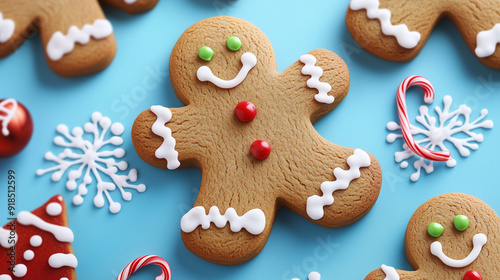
472	275
245	111
260	149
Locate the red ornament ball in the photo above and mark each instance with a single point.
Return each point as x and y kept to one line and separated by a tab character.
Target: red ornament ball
472	275
245	111
16	127
260	149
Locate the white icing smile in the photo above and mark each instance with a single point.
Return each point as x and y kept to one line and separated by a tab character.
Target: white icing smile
478	240
248	59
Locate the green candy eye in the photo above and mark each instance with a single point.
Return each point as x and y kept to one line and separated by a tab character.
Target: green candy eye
435	229
233	43
206	53
461	222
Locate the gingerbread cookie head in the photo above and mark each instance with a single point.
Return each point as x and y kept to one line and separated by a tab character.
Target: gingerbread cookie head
451	236
76	36
250	130
398	30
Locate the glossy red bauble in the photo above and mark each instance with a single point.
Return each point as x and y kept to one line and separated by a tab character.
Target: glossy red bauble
18	124
472	275
260	149
245	111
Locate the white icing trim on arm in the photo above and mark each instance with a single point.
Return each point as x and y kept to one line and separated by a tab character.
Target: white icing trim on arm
390	272
60	44
248	59
406	38
316	72
62	234
167	148
487	41
7	27
254	221
6	115
316	203
478	240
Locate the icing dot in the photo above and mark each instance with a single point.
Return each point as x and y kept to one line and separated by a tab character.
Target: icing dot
206	53
404	164
54	209
64	278
461	222
29	255
20	270
435	230
472	275
5	277
36	240
245	111
260	149
314	276
233	43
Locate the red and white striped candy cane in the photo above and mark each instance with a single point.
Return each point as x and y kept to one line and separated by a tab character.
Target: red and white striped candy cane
405	122
143	261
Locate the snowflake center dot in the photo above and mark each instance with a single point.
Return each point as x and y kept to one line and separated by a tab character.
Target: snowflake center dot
438	135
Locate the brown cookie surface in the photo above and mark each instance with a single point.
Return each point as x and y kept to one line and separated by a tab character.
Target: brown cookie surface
240	194
76	37
398	30
465	241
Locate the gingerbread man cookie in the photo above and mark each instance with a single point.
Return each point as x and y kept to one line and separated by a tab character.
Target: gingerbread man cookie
37	245
249	129
397	30
76	37
451	236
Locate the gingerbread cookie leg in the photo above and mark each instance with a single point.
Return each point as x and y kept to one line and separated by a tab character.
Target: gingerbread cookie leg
132	6
392	30
389	273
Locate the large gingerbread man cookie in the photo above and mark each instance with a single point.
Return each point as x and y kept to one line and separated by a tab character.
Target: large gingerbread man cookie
398	29
249	129
452	236
76	37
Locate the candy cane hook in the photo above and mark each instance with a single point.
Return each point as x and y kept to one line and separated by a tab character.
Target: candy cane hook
143	261
405	122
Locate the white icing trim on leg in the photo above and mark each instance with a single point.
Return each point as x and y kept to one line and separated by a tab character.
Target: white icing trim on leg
316	72
406	38
7	27
316	203
167	148
60	44
487	41
248	59
254	221
478	240
390	272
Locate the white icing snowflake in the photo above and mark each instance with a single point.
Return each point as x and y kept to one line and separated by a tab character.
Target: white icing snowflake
435	135
89	156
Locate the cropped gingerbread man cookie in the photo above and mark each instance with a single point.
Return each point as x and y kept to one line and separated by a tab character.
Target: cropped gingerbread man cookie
249	129
397	30
76	37
451	236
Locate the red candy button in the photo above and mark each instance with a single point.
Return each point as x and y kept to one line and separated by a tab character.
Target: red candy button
260	149
472	275
245	111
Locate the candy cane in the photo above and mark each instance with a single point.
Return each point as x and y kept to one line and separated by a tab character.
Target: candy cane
405	123
143	261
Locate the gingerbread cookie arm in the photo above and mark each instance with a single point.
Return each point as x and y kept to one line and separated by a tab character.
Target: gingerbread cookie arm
392	30
132	6
320	79
389	273
16	25
77	39
165	137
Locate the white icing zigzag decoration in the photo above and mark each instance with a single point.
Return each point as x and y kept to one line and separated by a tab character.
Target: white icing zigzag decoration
487	41
7	27
316	72
406	38
435	135
390	272
254	221
95	160
167	148
248	59
7	114
316	203
60	44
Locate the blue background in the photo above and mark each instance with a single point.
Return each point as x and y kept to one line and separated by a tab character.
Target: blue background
149	224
